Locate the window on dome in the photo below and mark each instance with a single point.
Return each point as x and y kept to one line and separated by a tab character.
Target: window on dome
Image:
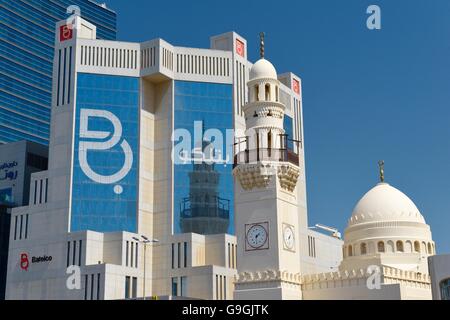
381	246
416	246
350	251
430	251
257	92
363	248
399	246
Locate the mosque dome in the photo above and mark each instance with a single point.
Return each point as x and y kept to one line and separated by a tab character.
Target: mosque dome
263	69
385	203
386	223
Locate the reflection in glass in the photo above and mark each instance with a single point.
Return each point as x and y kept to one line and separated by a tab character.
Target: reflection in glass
204	211
203	190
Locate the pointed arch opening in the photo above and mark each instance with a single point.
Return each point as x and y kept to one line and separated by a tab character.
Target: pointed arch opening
380	246
267	92
363	248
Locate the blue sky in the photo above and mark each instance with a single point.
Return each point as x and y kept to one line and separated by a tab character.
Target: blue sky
367	95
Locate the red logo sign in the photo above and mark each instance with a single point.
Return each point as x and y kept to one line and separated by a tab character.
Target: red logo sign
65	33
24	263
296	86
240	47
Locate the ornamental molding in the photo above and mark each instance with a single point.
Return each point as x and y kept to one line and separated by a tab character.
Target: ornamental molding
259	175
273	106
268	276
264	80
288	176
369	217
252	176
388	275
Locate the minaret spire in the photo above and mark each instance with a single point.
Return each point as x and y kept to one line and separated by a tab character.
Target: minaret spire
381	168
261	44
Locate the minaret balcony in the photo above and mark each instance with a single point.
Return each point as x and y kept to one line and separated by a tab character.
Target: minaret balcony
264	109
266	155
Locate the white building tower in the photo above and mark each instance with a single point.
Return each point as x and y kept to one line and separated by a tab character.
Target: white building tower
266	172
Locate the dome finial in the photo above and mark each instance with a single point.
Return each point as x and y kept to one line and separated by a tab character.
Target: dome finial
381	168
261	44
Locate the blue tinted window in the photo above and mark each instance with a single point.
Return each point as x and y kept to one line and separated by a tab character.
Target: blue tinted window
103	199
203	191
287	124
27	33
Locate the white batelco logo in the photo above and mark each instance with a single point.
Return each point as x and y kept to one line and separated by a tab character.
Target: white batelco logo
85	146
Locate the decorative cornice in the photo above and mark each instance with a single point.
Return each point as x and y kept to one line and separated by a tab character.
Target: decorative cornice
262	108
393	274
262	81
258	175
288	175
268	276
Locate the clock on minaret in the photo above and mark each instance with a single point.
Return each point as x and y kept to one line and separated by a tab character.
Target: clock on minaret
257	236
288	237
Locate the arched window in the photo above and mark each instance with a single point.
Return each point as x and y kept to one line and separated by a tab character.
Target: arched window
430	251
408	247
257	92
350	251
399	246
363	248
416	246
277	94
269	139
390	246
380	246
267	90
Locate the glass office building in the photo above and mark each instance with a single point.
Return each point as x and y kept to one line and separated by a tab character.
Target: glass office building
104	187
27	31
203	198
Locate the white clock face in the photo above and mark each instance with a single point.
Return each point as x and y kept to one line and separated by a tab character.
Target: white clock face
288	237
256	236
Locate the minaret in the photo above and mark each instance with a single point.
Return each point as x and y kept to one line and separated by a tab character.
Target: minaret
266	173
204	212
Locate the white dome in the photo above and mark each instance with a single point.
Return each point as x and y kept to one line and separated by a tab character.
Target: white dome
263	69
385	203
387	226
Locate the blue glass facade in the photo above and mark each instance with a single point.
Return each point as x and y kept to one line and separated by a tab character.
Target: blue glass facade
288	129
203	194
27	30
104	186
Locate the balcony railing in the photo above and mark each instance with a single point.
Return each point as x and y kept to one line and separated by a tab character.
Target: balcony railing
266	154
216	207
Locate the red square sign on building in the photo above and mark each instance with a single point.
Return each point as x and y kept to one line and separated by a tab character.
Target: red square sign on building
296	86
65	33
240	48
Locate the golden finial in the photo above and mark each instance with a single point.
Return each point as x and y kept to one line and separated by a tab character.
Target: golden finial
381	166
261	44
